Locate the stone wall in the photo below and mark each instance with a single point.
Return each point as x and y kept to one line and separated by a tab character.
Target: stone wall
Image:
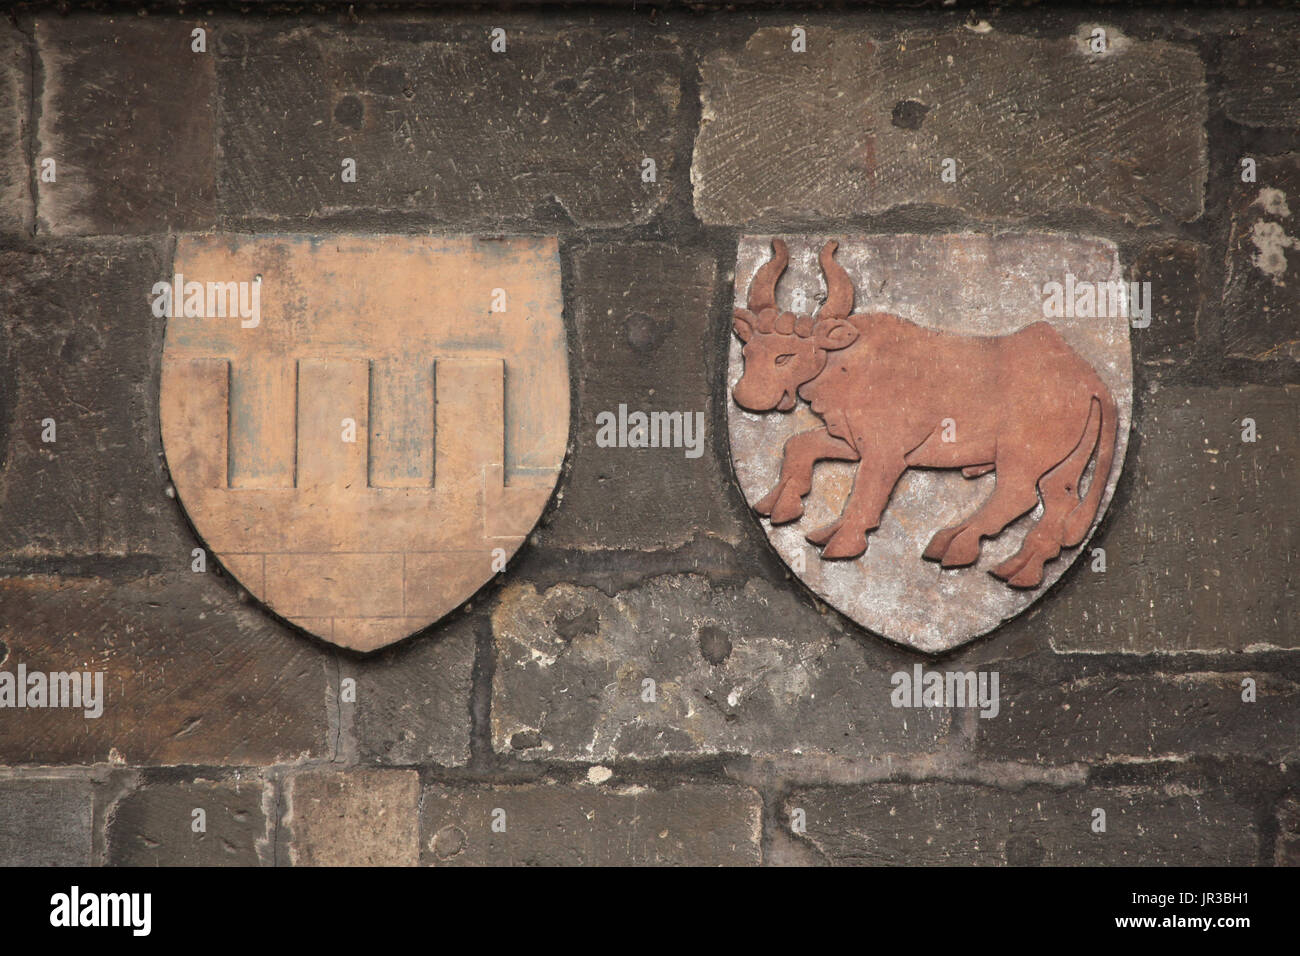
770	736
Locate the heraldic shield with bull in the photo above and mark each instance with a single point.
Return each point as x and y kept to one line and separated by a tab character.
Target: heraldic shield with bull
367	447
942	412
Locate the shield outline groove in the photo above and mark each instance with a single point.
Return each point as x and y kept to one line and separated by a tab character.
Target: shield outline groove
920	605
363	546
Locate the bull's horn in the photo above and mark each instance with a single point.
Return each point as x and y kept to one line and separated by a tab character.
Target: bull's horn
839	287
762	288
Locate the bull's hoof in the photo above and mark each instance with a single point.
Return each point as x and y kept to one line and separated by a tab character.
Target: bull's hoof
1009	568
962	551
822	535
1030	576
788	508
939	543
845	543
765	504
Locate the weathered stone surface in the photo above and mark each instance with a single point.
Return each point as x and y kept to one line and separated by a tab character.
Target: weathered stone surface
83	350
1200	557
412	703
749	670
1036	126
1174	269
959	284
445	129
15	94
127	114
592	826
754	687
1106	717
955	824
1261	75
155	825
46	822
1261	297
365	455
1287	849
191	675
355	818
647	337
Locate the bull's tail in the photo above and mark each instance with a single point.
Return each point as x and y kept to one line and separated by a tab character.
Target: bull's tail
1103	434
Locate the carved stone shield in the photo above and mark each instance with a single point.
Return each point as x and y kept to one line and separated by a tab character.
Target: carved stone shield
929	428
364	429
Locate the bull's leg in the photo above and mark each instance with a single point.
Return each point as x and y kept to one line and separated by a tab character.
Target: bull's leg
872	486
959	545
785	502
1024	569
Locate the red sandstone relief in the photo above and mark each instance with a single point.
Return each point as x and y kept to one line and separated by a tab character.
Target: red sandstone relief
895	396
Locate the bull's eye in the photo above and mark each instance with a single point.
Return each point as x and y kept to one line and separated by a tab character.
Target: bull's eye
782	359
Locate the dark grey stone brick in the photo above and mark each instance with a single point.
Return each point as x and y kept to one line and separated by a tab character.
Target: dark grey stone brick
127	115
1198	557
926	824
442	128
1261	74
84	349
583	825
15	95
1261	298
792	683
1148	717
154	826
412	703
1174	269
1037	126
647	340
1287	849
46	822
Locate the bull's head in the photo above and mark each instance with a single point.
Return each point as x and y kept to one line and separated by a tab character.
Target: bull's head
783	350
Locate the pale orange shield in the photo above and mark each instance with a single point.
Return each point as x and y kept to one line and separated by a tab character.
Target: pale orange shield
364	429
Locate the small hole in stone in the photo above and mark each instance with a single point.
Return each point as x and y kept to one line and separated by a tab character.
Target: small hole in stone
715	645
908	114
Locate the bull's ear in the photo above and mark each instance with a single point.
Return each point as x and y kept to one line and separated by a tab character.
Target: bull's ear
835	334
744	324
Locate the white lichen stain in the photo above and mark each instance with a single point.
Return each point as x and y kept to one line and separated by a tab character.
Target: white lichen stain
1271	243
1273	202
539	658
